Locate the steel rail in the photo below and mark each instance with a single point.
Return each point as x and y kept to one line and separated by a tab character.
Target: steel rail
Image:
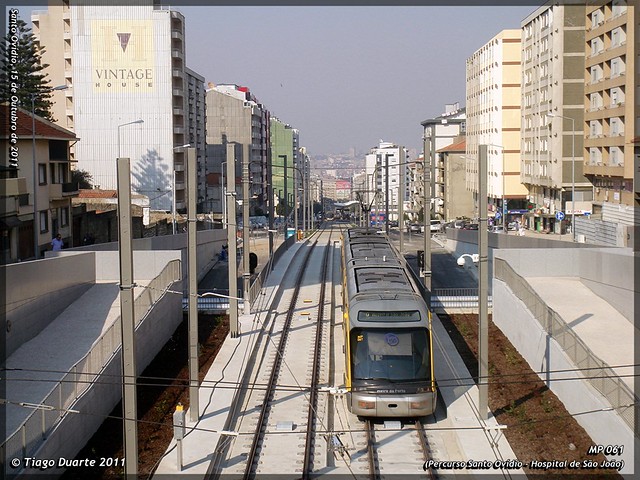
372	454
426	451
313	395
275	372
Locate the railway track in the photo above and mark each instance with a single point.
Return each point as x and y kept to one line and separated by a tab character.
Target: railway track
291	353
381	462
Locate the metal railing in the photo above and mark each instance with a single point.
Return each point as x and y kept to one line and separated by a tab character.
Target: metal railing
256	286
466	298
213	303
598	373
33	431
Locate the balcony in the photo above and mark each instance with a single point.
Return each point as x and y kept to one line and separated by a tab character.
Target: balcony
12	187
55	191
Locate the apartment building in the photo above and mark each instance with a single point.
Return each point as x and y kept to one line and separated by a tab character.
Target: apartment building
493	83
386	166
610	97
196	134
234	115
284	141
553	115
439	132
456	201
35	188
127	91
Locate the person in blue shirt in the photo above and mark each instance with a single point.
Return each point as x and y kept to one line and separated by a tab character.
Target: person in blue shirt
57	243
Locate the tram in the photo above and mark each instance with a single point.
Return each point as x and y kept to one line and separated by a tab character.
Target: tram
387	328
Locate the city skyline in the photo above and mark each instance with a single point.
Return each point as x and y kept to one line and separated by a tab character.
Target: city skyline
331	74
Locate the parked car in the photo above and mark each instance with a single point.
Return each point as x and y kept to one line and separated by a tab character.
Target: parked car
470	226
459	223
436	226
414	228
497	229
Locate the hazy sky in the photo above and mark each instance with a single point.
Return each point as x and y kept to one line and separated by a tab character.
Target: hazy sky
344	76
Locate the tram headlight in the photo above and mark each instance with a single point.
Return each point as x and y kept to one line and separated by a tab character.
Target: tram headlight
366	404
421	405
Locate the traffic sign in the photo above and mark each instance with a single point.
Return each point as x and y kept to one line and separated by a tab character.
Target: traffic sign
559	215
498	215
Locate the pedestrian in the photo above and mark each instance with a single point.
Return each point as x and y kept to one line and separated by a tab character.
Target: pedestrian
57	243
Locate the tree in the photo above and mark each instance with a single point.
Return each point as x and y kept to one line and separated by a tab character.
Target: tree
21	71
82	178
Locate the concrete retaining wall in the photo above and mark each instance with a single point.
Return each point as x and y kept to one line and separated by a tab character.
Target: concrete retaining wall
542	353
209	243
70	435
37	292
608	272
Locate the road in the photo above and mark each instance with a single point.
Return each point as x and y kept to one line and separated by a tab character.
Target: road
445	271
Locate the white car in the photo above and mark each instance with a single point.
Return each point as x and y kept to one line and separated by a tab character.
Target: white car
497	229
436	226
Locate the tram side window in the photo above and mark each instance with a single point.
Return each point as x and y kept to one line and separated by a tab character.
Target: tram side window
381	354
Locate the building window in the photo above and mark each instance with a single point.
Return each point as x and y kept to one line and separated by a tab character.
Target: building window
614	126
44	221
64	216
42	174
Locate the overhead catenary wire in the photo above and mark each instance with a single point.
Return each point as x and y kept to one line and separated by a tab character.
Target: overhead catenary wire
339	431
171	382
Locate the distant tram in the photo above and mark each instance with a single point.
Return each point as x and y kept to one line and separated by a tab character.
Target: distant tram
387	327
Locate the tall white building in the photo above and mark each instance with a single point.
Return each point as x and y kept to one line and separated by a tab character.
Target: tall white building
387	159
121	64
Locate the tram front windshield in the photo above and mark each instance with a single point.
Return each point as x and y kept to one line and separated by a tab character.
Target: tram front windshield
395	355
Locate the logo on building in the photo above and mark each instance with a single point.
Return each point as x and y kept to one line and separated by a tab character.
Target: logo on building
124	40
123	55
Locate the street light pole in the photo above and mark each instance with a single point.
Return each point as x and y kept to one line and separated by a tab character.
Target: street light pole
124	125
573	173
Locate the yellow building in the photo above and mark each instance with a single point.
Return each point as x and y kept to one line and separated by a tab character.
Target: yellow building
611	79
493	82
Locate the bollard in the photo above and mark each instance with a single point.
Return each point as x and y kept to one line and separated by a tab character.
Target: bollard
178	430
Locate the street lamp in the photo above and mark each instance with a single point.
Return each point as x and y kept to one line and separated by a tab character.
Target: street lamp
573	172
36	227
123	125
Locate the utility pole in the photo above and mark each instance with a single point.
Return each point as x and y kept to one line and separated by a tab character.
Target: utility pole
127	319
295	199
427	220
231	240
401	190
192	192
386	193
246	275
270	199
483	282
